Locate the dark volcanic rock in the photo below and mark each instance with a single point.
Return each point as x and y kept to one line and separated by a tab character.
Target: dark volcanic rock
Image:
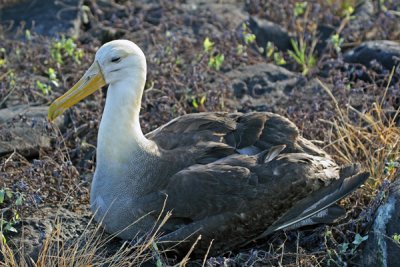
69	233
45	17
43	223
385	52
263	85
361	23
267	31
229	13
324	33
23	129
381	249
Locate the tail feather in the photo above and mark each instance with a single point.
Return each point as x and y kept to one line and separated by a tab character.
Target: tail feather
328	215
316	208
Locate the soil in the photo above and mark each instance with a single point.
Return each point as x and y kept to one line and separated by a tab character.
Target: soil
51	165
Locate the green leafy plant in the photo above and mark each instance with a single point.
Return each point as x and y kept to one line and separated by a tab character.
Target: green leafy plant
358	239
391	166
304	58
396	238
196	104
344	247
338	256
28	35
346	7
9	202
278	59
299	8
348	10
53	76
240	49
337	42
3	60
64	48
248	36
272	53
269	49
208	45
45	88
216	61
382	5
11	78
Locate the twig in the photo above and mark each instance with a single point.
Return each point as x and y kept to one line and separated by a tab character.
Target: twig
186	258
208	251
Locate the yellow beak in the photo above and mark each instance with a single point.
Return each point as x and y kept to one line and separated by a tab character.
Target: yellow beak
87	85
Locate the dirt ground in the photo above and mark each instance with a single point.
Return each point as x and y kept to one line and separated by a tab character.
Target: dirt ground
184	77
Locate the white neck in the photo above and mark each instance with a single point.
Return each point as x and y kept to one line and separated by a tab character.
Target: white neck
120	134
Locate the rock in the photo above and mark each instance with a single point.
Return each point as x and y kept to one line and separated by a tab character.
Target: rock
75	237
29	112
324	33
229	14
24	129
267	31
263	85
39	226
385	52
45	17
381	249
361	23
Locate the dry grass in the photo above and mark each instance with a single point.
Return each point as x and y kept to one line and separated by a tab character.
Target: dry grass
93	248
88	252
89	249
371	138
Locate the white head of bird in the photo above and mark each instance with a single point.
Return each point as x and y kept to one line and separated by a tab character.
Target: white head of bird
122	65
119	61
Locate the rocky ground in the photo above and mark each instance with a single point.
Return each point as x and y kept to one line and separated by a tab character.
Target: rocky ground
332	67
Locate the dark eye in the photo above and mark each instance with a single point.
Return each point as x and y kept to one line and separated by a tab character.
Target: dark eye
116	59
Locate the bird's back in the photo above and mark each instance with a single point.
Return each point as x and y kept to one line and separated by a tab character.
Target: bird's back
236	175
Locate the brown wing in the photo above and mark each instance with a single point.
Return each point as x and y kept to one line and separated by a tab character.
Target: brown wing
259	129
235	175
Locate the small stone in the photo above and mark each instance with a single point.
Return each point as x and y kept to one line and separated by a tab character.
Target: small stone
267	31
384	52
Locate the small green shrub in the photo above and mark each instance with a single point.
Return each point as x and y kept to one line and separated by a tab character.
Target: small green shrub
303	56
64	48
9	203
337	42
215	59
299	8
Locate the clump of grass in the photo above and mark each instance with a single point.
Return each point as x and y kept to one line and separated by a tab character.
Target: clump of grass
303	55
92	248
87	250
372	138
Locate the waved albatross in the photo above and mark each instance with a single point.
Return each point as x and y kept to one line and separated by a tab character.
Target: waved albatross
230	177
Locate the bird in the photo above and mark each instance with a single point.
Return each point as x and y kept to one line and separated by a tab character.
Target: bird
231	178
